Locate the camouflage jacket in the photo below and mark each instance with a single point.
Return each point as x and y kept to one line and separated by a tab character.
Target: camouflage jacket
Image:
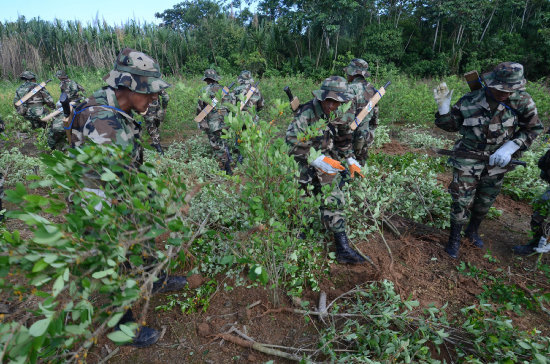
104	124
40	98
336	137
256	100
362	92
72	89
156	105
485	125
214	120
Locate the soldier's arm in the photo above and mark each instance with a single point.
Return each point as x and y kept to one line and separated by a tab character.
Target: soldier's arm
297	140
165	98
529	124
451	121
48	99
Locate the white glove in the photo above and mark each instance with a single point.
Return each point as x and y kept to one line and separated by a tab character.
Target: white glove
327	164
544	246
503	154
443	96
57	105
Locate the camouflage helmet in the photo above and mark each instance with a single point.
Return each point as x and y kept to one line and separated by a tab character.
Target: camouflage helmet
27	75
357	66
507	77
136	71
334	87
245	77
61	74
211	74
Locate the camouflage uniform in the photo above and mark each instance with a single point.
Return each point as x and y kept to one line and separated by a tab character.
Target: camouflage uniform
155	115
334	142
73	90
33	108
256	100
213	123
99	117
485	126
362	92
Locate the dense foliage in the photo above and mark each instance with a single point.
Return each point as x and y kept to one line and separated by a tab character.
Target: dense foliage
287	37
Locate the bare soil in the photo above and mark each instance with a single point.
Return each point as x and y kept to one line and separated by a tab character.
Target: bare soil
421	270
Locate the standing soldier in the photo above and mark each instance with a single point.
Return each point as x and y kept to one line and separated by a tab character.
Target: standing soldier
33	108
73	90
495	122
256	100
325	170
213	123
155	115
362	92
104	118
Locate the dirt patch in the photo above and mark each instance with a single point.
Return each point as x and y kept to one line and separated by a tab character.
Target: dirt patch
395	148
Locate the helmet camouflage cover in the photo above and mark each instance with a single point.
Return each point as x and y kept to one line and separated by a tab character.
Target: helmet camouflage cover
211	74
27	75
136	71
61	74
507	77
245	77
334	87
357	66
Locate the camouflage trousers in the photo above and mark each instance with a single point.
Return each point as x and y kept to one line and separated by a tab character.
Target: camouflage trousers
33	114
57	134
363	138
152	126
539	220
333	202
219	145
473	193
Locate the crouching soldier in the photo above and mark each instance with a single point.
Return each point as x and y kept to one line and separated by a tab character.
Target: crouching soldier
34	108
495	122
105	118
334	144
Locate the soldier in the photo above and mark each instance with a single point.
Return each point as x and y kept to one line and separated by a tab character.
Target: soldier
245	83
105	117
33	108
73	90
540	226
362	92
213	123
2	128
496	122
155	115
335	143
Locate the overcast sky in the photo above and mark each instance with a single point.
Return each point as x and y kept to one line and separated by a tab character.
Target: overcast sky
115	12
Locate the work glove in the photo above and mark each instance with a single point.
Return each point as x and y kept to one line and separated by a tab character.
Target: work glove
158	147
328	165
354	167
443	96
544	246
503	155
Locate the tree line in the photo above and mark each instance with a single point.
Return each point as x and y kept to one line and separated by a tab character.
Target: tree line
286	37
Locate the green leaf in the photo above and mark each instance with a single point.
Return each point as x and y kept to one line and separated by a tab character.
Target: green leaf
119	337
40	327
228	259
58	285
39	266
115	319
108	175
129	329
103	273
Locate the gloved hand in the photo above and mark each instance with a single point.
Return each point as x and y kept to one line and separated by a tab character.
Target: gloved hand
354	167
544	246
158	147
503	155
443	96
328	165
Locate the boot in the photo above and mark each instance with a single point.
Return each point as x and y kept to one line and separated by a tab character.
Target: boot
169	284
240	158
454	240
528	248
471	232
158	147
227	168
344	253
145	336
